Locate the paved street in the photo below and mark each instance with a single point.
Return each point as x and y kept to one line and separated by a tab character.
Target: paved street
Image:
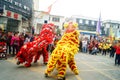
91	67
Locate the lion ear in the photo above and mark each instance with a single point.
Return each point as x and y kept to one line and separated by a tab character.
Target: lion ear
75	24
66	25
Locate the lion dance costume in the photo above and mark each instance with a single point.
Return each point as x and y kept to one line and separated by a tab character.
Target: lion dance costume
64	52
33	50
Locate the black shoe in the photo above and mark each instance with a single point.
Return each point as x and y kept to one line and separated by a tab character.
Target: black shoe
18	62
46	75
45	63
35	61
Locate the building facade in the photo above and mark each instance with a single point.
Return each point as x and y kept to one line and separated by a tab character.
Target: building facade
57	20
36	4
112	28
41	17
16	15
87	26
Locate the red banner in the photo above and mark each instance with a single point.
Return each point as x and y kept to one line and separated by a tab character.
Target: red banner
15	15
9	13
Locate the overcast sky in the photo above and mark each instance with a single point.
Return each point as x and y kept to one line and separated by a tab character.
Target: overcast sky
110	9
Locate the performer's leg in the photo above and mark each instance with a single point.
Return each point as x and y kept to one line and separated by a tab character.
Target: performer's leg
28	62
61	67
51	65
61	71
20	60
45	56
13	47
73	66
37	56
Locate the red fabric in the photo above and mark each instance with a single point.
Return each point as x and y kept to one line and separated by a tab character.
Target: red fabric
117	49
90	46
37	47
15	15
9	13
2	43
15	38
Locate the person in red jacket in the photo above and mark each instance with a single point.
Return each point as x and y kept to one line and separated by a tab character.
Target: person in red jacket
117	57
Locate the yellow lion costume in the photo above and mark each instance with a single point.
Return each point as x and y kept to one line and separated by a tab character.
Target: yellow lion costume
64	52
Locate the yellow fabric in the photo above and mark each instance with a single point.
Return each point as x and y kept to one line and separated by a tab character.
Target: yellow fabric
106	46
100	45
73	23
64	52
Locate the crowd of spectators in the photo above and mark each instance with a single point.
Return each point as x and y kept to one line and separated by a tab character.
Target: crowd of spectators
104	46
15	40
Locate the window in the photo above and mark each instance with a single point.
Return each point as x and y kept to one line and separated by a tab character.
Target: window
1	10
87	22
118	26
103	24
115	26
93	23
81	21
55	19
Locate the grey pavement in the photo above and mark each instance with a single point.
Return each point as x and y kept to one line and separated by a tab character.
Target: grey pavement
91	67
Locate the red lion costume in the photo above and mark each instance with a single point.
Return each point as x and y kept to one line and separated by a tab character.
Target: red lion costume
38	47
